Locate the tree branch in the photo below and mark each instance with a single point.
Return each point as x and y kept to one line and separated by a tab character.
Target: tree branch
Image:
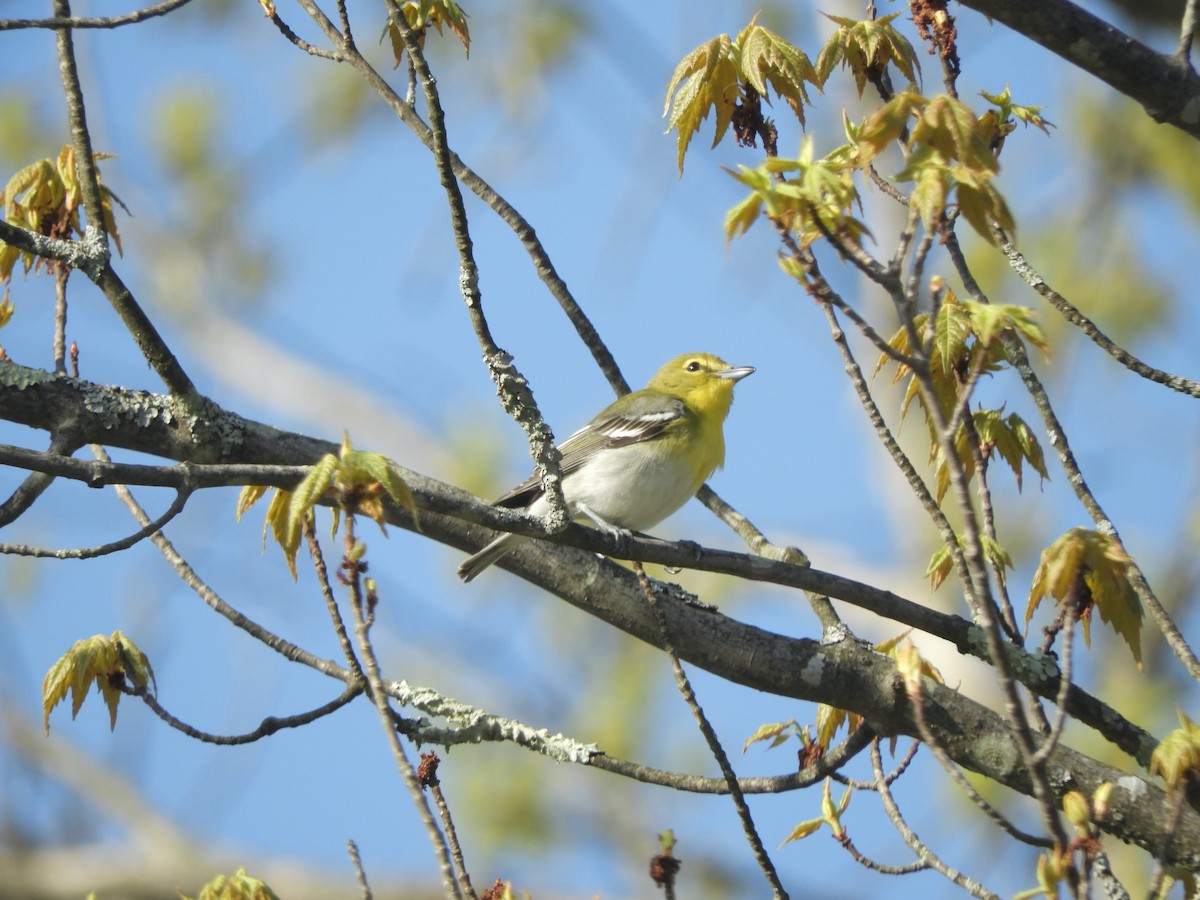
1166	87
149	423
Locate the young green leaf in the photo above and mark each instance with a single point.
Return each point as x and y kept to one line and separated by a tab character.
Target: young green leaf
866	48
354	480
766	58
707	80
106	662
1177	758
1092	570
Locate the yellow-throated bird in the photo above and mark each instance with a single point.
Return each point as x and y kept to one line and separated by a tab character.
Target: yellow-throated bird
640	459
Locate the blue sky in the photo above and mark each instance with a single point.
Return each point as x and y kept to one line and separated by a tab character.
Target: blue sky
360	327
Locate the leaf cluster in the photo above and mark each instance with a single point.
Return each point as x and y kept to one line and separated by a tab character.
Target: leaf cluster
997	124
811	198
941	564
946	151
108	662
831	815
354	481
718	76
1177	758
423	14
962	339
1090	570
238	886
44	198
866	48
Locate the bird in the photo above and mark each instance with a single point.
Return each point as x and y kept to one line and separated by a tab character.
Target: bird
639	459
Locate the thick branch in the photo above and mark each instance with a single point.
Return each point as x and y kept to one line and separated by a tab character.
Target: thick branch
1166	86
154	424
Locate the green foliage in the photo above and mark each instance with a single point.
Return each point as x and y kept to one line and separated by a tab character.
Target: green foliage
997	124
1177	758
831	815
717	75
106	661
965	337
809	197
44	198
830	719
778	733
942	562
866	48
238	886
1052	867
946	151
421	15
355	481
1092	570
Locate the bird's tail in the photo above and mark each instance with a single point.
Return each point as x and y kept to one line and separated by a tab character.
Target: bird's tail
477	562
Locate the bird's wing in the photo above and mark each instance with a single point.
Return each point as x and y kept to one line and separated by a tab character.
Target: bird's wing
643	418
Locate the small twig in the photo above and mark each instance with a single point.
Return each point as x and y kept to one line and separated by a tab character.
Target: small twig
29	490
362	619
268	727
302	44
917	700
149	341
827	766
150	528
61	274
1187	31
359	872
63	22
515	395
1072	314
1071	610
427	774
710	736
919	847
189	577
889	778
867	862
759	544
344	18
335	614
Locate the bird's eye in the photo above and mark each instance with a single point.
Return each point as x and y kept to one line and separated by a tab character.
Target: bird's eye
693	366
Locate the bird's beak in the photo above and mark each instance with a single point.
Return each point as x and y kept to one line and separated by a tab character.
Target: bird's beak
737	373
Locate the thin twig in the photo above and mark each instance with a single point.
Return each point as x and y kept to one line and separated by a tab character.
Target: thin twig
861	785
427	772
920	848
1071	610
176	507
1187	31
917	700
366	649
335	614
61	274
139	325
29	490
64	22
359	872
710	736
515	396
1072	314
302	44
268	727
189	577
865	861
827	766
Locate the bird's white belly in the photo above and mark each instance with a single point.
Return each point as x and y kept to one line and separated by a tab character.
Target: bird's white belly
629	488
